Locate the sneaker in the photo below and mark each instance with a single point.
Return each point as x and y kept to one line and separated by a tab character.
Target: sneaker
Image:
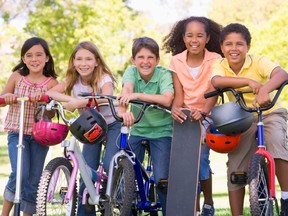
207	210
284	207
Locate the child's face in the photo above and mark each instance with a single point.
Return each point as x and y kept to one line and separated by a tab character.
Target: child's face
35	59
85	63
235	48
145	61
195	37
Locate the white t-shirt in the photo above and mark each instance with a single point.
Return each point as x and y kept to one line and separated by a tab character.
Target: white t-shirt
104	110
194	71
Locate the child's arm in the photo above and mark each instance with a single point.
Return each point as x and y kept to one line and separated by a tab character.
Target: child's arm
128	117
128	94
177	114
57	93
235	82
8	91
277	77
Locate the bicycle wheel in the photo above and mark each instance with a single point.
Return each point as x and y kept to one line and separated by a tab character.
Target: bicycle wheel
260	204
53	188
123	187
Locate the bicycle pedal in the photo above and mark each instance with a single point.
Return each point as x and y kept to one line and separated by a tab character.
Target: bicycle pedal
238	178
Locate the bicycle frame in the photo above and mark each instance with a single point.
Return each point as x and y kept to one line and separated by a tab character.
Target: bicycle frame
141	176
74	154
262	150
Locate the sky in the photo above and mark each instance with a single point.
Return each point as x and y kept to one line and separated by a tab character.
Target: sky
162	11
165	11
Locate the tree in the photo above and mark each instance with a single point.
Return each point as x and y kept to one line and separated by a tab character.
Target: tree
266	20
110	24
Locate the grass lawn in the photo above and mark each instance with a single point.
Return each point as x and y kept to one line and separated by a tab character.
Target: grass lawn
218	164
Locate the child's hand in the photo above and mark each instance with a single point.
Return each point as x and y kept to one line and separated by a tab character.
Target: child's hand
9	98
128	118
255	86
178	115
262	98
36	96
125	98
195	114
74	104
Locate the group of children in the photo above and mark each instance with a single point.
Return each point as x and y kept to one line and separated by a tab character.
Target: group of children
205	56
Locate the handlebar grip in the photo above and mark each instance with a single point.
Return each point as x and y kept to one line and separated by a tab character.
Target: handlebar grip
2	101
44	98
211	94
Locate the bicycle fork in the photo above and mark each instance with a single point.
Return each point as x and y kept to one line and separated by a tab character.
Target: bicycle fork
271	163
75	155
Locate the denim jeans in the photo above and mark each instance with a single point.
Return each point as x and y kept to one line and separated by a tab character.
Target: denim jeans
33	156
92	154
160	155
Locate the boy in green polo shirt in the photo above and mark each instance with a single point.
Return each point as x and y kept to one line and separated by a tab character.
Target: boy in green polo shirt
148	82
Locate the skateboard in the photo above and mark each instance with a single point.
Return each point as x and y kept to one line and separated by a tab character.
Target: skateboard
184	168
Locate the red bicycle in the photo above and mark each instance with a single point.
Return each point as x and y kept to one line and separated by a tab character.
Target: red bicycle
261	174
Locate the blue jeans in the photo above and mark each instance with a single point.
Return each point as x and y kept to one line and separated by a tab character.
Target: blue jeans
92	154
160	155
204	168
33	156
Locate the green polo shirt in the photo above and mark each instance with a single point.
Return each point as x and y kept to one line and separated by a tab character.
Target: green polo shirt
154	123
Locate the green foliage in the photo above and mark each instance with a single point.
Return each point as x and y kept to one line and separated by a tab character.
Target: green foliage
109	24
267	21
11	39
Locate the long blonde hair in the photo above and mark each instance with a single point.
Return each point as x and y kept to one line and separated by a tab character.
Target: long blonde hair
99	71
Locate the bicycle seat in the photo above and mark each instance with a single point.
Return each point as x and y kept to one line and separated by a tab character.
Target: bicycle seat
146	145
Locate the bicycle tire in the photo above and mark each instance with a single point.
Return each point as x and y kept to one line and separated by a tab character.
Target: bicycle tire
47	205
260	204
123	187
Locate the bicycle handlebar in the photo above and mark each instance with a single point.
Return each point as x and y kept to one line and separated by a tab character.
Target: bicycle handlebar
44	98
112	98
238	96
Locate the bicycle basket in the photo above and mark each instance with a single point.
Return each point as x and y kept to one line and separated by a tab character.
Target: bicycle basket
48	133
219	142
230	119
90	127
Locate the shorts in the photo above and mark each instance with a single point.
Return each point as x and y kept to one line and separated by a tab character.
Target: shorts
275	127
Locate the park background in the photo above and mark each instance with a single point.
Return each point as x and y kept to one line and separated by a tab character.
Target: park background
112	25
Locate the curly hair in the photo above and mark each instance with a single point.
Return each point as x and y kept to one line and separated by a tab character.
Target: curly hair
173	42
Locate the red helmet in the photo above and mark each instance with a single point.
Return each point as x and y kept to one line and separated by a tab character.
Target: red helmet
221	143
49	133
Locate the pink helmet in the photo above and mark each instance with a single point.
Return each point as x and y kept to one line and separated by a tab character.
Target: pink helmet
49	133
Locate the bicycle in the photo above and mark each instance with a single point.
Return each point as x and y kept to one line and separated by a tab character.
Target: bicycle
130	187
20	147
57	191
261	172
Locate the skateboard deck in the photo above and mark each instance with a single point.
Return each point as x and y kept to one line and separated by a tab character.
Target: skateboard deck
184	168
